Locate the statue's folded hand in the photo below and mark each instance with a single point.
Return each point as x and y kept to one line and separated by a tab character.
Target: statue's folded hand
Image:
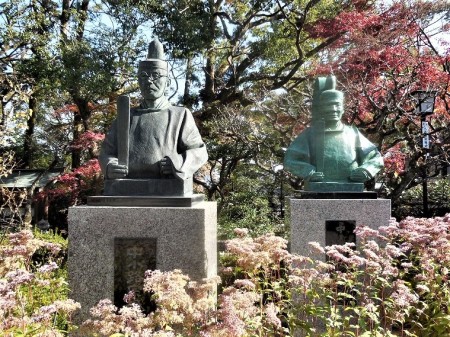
316	177
166	166
360	175
116	171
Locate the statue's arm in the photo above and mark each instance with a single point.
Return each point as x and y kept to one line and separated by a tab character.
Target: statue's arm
108	156
370	158
372	162
297	159
191	148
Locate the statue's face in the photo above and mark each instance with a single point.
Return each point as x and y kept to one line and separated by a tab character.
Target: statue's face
332	110
152	82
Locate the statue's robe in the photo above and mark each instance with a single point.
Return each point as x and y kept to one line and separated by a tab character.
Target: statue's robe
335	153
154	135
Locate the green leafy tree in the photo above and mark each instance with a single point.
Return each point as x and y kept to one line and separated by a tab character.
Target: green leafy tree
52	56
28	71
229	47
243	67
62	66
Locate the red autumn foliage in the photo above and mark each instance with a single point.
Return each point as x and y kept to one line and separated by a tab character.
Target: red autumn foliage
73	109
394	160
75	186
87	140
67	109
383	56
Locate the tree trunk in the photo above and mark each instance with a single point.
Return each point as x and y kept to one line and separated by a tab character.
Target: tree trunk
29	132
77	131
2	114
187	99
81	125
210	71
208	96
64	18
83	15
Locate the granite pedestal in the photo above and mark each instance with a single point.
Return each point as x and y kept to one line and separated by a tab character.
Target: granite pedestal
111	247
146	187
331	221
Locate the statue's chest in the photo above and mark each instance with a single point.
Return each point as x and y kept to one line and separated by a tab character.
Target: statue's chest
150	129
339	155
339	147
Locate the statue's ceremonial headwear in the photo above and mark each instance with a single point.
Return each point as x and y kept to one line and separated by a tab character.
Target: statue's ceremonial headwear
331	95
325	92
155	56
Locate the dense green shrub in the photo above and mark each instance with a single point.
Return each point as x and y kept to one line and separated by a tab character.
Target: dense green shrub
411	201
252	202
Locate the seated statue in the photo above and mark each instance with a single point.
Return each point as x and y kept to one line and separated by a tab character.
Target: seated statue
329	155
163	146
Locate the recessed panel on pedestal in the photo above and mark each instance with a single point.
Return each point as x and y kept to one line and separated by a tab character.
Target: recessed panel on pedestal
132	257
339	232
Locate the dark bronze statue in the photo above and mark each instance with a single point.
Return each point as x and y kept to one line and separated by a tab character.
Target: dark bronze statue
153	149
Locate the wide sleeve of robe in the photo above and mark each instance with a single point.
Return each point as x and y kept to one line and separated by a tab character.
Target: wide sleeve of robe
191	148
297	159
369	158
108	153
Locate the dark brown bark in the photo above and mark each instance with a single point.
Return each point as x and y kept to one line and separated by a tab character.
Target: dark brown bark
80	125
29	132
77	131
187	99
208	94
64	18
83	15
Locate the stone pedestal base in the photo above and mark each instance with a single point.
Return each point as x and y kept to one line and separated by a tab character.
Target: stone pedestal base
333	186
111	247
146	187
330	221
145	201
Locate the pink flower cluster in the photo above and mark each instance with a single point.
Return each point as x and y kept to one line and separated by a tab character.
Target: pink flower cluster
392	281
22	286
183	306
261	252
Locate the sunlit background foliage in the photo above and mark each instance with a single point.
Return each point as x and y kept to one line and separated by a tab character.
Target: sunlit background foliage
244	68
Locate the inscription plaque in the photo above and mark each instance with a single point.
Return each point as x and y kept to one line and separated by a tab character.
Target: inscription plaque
132	257
338	232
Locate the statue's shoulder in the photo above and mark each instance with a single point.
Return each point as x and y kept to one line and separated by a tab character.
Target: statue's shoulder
361	140
303	138
351	129
307	132
180	112
178	109
355	130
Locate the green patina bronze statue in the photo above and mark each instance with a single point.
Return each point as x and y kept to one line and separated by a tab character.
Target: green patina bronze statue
328	155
